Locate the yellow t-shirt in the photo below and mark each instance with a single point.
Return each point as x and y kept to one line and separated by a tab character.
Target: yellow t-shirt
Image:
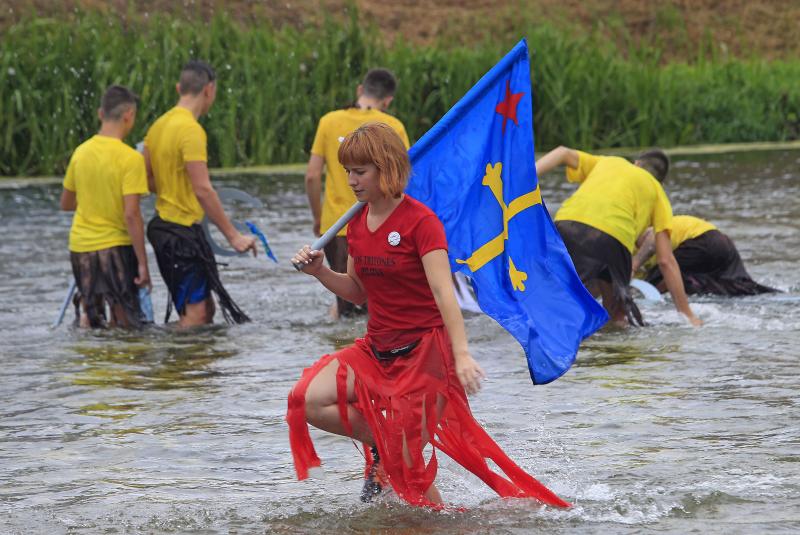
686	227
333	128
174	139
101	171
616	197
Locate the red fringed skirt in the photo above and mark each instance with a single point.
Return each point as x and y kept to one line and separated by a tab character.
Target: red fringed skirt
397	399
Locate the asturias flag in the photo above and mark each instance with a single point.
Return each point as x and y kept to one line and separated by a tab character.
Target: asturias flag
476	169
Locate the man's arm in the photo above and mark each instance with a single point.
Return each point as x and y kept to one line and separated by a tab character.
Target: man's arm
314	188
151	178
209	200
559	156
133	220
672	276
69	201
647	247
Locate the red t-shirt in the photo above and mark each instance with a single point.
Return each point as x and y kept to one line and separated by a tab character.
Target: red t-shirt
389	264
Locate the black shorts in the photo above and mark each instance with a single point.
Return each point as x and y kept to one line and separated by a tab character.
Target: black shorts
599	256
105	277
189	268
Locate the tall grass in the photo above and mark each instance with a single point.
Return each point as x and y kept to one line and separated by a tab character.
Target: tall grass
274	85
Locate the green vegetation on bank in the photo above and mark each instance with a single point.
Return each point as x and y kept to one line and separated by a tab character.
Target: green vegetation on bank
275	84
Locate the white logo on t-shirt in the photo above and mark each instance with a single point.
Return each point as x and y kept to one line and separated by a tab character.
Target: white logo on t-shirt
394	238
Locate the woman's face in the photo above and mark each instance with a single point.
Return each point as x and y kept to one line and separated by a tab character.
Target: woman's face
364	179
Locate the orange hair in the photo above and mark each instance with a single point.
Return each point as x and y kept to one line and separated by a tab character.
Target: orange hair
378	144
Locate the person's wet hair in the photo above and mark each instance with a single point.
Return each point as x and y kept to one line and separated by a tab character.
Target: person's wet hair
379	83
117	100
378	144
195	75
655	162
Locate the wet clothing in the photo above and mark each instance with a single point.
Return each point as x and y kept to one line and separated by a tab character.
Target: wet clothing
105	278
188	267
336	254
332	129
388	262
173	140
616	197
101	172
597	255
686	227
395	397
710	264
417	389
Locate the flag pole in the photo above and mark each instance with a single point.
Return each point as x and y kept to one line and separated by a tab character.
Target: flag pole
323	240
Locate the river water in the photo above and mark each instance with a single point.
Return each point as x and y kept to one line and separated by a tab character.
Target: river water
664	428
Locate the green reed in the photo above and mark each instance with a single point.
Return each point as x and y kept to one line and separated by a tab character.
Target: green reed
275	84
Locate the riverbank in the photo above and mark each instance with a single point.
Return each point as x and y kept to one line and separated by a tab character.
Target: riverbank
11	182
276	83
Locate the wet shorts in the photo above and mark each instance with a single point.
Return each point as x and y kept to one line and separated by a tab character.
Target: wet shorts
193	288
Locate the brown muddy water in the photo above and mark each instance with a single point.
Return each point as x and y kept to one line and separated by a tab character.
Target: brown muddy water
663	429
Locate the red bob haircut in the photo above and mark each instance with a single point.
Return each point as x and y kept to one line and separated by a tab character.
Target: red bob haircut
378	144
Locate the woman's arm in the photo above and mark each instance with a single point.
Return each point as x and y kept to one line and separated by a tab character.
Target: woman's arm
437	271
346	285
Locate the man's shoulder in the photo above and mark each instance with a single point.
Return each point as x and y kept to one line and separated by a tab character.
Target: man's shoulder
130	155
333	116
613	160
173	120
392	121
160	121
86	146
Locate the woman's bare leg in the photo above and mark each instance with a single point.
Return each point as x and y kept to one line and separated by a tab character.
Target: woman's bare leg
322	409
432	493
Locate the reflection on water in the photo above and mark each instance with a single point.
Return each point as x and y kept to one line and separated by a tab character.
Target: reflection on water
154	360
664	428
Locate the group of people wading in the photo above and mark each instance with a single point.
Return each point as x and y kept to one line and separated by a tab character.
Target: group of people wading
404	385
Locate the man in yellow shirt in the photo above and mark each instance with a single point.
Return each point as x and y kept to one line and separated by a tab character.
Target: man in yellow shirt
614	203
709	261
373	97
177	169
104	181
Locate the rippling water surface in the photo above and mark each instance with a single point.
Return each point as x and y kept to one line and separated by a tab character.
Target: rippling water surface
664	428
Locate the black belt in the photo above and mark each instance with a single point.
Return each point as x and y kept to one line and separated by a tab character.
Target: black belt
390	354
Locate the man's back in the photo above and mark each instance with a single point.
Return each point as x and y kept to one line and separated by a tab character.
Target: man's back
101	171
173	140
617	197
333	128
687	227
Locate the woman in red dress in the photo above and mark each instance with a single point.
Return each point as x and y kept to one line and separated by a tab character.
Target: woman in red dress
405	383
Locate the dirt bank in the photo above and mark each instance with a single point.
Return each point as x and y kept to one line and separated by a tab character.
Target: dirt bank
680	28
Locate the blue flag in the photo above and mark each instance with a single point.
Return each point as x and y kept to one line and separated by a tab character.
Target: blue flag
476	170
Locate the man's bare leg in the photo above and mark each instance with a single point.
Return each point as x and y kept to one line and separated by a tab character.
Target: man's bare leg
612	305
196	314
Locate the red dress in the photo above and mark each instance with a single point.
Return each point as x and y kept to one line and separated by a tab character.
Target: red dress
399	396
